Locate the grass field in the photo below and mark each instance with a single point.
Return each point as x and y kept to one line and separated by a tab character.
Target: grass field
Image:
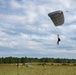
37	70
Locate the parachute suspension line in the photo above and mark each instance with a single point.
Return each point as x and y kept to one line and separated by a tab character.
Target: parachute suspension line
57	29
57	18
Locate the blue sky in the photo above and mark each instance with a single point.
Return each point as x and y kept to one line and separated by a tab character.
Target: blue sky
26	29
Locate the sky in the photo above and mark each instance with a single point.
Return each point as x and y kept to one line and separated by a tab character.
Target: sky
27	30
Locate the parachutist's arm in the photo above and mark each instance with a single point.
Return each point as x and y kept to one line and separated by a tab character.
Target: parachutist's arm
57	35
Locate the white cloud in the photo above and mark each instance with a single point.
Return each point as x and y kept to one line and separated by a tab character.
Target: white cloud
15	5
12	18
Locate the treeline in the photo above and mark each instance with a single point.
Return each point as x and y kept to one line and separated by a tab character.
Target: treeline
33	60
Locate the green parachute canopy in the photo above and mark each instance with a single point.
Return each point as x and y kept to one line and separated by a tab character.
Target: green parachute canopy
57	17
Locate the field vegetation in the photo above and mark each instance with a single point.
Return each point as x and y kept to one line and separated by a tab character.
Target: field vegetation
37	69
37	66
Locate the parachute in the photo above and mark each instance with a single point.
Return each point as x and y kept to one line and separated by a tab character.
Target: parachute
57	17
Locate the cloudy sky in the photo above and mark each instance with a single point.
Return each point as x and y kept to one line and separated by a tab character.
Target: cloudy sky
26	29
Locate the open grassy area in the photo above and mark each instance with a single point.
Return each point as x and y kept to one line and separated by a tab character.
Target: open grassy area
37	70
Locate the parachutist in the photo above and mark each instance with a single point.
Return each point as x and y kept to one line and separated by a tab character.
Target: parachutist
57	18
58	39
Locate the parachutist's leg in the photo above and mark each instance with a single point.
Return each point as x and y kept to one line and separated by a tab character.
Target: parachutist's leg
58	42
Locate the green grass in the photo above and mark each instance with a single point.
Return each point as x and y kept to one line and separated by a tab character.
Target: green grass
37	70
